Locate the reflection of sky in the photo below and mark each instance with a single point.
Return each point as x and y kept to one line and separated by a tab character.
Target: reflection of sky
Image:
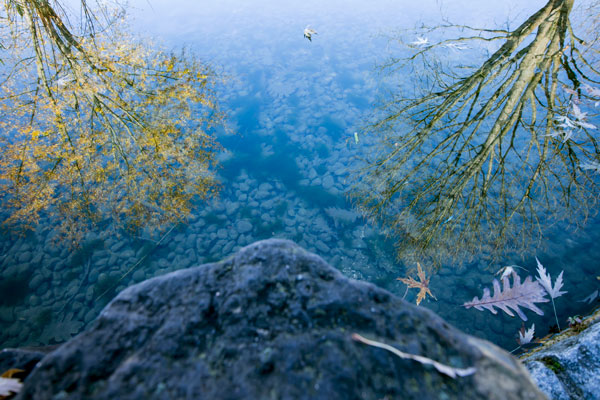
316	94
259	44
303	100
265	22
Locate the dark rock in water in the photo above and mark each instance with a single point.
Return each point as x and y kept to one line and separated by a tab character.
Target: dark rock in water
19	358
271	322
24	359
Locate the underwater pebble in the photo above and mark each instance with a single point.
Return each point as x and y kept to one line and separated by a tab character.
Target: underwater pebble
6	314
101	262
267	205
45	295
89	294
23	336
138	276
93	276
266	218
90	315
322	247
359	244
117	246
127	253
328	182
35	282
231	208
182	263
113	260
243	226
191	240
232	233
102	278
160	271
23	268
216	249
51	249
227	248
37	259
43	289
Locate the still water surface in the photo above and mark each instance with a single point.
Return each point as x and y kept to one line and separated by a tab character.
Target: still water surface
293	107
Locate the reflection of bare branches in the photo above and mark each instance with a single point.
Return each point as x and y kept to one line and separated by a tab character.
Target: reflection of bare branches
476	160
100	126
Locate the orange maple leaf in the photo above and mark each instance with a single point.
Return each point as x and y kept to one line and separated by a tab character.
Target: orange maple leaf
11	372
422	285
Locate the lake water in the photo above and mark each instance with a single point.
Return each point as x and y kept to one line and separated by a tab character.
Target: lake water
293	107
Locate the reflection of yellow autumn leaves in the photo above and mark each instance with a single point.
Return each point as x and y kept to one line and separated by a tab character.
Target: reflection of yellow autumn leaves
110	128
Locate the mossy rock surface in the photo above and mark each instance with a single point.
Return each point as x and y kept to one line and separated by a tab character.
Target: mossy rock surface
567	365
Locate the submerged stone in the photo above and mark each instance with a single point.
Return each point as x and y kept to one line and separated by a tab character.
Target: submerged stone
272	321
243	226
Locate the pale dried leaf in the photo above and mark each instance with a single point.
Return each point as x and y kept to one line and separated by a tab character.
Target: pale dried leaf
442	368
589	299
526	336
8	385
546	281
524	294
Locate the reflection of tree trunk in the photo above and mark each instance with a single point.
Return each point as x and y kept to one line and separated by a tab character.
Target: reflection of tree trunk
462	153
541	53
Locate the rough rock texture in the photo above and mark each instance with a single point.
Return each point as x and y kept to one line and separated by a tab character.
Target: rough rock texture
23	359
570	367
271	322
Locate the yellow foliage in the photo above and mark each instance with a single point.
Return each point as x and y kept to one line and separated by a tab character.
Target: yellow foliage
111	129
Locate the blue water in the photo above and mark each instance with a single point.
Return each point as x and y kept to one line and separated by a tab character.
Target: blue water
293	107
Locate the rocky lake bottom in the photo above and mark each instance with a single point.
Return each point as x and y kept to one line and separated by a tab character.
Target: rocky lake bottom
295	112
49	293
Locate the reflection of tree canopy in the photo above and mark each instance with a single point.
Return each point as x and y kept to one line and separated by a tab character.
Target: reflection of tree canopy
487	157
99	125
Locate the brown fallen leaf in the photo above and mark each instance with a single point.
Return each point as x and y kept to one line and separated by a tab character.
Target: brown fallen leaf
10	372
422	285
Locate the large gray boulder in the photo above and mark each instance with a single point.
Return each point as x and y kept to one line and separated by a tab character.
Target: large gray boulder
271	322
569	368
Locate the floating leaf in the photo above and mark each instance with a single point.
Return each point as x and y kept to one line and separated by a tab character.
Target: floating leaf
11	372
9	385
526	336
422	285
545	280
589	299
524	294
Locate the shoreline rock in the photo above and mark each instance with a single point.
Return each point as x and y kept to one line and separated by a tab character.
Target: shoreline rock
567	366
271	321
